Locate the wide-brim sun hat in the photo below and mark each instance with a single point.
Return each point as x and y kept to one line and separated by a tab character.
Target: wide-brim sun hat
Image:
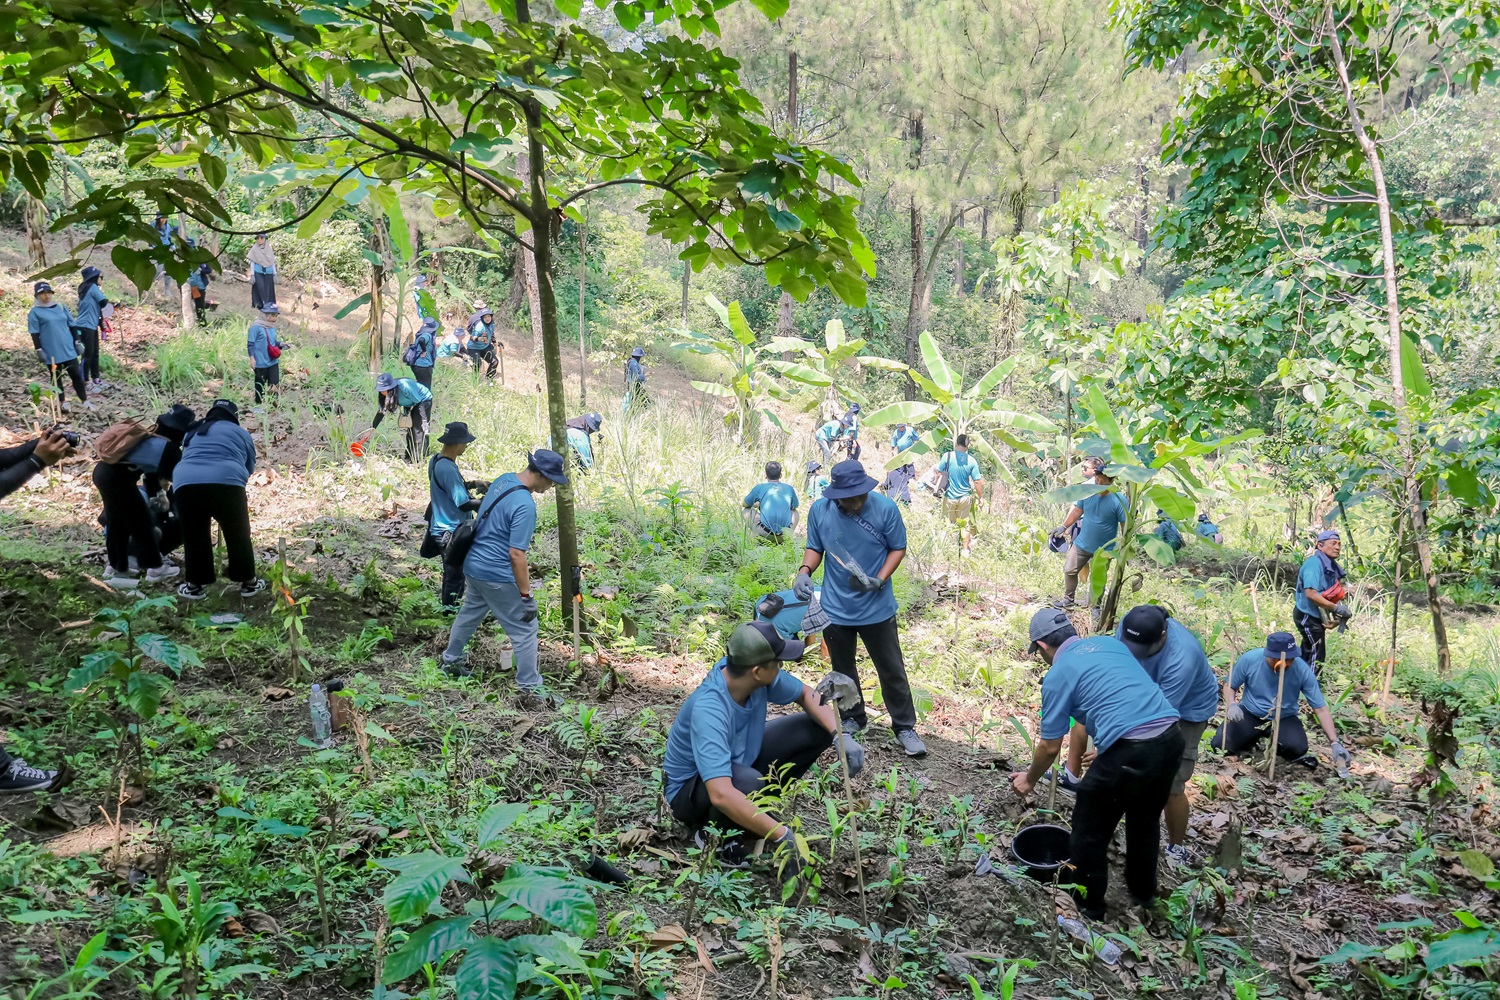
849	479
457	432
384	382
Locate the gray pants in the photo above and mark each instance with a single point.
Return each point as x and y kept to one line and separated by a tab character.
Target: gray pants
503	600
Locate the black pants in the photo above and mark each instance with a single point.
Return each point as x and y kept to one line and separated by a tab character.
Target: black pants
90	358
485	356
883	643
1237	737
74	372
423	375
5	759
791	744
262	290
197	506
270	375
416	434
128	527
1314	640
1131	779
452	592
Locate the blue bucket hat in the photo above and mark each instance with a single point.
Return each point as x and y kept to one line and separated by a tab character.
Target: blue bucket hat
848	479
429	325
639	352
384	382
550	464
1281	645
271	309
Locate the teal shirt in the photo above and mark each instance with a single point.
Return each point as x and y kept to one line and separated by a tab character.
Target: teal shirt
51	329
579	441
865	542
777	501
410	392
1311	576
902	440
830	432
1256	682
963	473
1103	516
713	732
1097	681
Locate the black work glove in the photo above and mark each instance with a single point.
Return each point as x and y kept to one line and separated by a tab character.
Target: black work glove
470	505
528	608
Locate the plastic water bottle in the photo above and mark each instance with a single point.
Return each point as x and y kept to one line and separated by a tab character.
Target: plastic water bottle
1107	950
322	719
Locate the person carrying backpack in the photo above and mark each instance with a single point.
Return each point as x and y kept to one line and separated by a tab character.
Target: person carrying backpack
198	284
127	452
51	328
421	353
482	341
218	456
451	505
265	352
964	491
91	303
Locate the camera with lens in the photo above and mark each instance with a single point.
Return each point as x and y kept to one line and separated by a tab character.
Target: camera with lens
72	437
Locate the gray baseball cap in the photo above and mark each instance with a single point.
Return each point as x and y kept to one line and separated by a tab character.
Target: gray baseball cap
1044	623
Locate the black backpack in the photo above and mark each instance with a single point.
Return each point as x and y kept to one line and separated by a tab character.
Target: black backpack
462	539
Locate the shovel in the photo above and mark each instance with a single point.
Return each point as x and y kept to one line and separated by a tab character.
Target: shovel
840	691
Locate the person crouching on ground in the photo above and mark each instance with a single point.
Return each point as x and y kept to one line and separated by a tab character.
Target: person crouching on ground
218	456
771	507
1248	719
414	400
721	748
581	431
51	328
1096	681
130	528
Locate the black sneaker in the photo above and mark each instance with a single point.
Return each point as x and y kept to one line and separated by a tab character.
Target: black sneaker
1308	761
731	853
253	588
22	777
1067	782
191	592
456	668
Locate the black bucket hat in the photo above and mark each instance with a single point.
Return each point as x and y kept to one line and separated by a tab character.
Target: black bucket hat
178	418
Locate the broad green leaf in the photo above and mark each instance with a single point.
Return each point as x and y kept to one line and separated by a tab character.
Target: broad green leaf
774	10
90	669
352	304
428	944
1104	419
556	948
144	692
389	200
168	653
833	335
90	951
559	901
1174	504
993	463
1477	862
937	392
1073	493
135	265
213	170
1130	473
718	308
992	378
799	373
496	820
280	828
488	971
738	326
1462	947
1413	375
1156	549
937	365
714	389
907	411
420	879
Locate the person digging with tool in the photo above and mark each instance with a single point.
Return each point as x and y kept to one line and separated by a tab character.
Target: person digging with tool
581	431
414	400
771	507
722	748
898	481
1320	591
451	505
865	537
1099	518
497	574
1250	717
1173	657
1098	682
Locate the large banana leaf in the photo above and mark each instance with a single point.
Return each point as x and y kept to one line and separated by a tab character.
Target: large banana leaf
937	365
991	378
907	411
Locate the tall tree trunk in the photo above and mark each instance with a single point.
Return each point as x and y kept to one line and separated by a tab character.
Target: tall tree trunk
984	226
583	323
958	263
374	326
1416	516
916	314
67	200
530	267
36	226
687	277
784	317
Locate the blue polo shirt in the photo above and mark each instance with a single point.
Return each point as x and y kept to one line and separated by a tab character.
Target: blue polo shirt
777	501
410	392
713	732
963	473
1256	682
1182	672
1103	516
510	527
1096	681
90	307
51	329
830	432
1312	575
446	486
426	353
222	453
258	341
1207	529
904	439
865	542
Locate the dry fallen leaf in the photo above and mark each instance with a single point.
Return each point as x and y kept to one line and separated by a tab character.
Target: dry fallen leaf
666	937
703	957
831	946
233	928
274	693
635	837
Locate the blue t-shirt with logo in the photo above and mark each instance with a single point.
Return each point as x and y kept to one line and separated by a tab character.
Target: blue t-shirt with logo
963	473
1098	682
510	527
904	439
777	501
1182	672
1103	516
712	731
1256	682
864	542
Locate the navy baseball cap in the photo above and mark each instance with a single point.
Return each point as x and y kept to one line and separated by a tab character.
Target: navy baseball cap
1281	646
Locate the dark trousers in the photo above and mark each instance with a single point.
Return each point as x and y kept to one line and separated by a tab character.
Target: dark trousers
487	357
1131	779
883	643
74	371
791	744
1314	640
128	527
452	592
197	506
262	290
416	434
270	375
1237	737
90	358
421	374
5	759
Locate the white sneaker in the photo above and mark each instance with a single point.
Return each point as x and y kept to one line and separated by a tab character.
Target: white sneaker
88	404
121	581
132	565
166	571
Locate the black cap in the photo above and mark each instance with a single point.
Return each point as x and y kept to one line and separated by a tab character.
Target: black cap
1143	628
178	418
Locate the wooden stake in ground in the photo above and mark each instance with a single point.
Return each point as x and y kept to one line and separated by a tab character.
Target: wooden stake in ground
1275	726
835	689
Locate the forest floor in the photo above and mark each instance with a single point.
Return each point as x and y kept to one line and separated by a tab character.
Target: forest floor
1287	871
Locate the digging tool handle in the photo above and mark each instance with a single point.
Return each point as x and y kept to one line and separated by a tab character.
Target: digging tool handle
859	868
1276	725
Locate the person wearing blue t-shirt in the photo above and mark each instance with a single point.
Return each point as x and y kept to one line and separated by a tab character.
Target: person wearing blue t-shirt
849	431
198	283
208	487
51	328
452	505
771	507
1256	676
1099	518
864	537
965	490
826	435
482	343
1320	589
91	303
1098	682
1208	530
497	575
813	484
1167	530
265	353
414	400
722	749
423	352
1173	657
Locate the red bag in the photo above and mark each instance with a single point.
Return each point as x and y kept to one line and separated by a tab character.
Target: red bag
1337	592
273	352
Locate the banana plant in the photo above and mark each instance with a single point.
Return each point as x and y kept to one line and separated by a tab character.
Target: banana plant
1149	472
751	370
838	361
955	410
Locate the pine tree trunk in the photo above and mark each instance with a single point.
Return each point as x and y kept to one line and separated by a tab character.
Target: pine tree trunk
916	317
1416	516
958	263
36	226
687	277
784	315
583	323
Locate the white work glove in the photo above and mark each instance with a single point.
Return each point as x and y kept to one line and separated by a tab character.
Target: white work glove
1234	713
803	587
1341	757
854	753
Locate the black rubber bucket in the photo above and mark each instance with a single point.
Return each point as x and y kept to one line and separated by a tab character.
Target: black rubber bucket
1041	850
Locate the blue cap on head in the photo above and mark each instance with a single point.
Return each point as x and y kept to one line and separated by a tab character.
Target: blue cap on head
550	464
1281	646
1327	536
271	309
